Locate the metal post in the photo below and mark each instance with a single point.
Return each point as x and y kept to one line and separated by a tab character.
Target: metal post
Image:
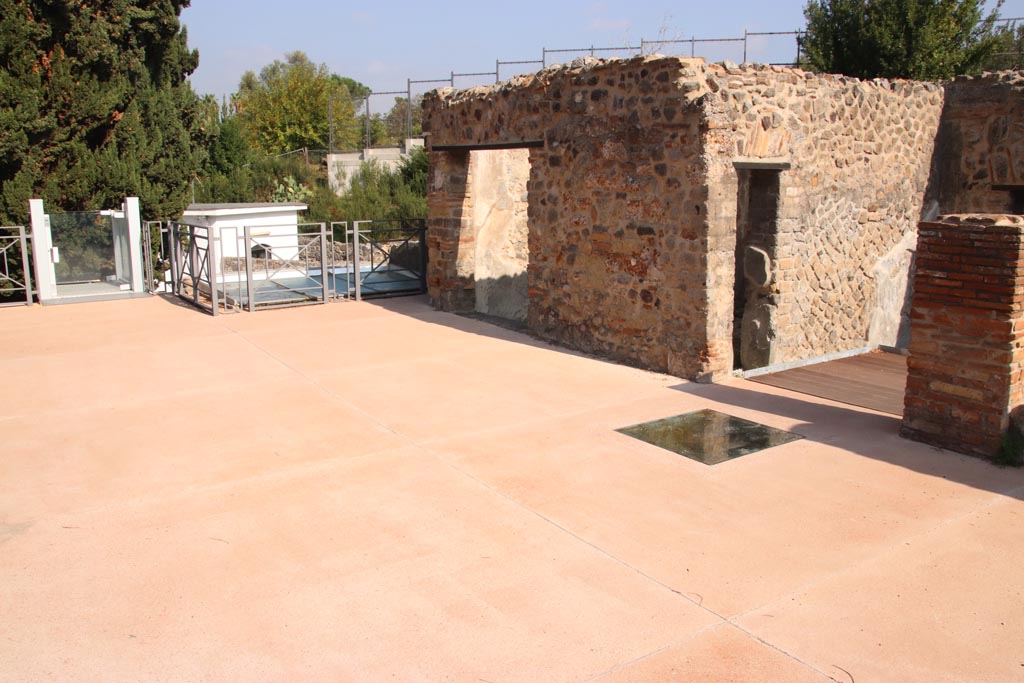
367	109
250	295
348	259
497	71
211	267
25	265
133	218
421	229
192	248
544	58
357	268
408	109
42	251
147	256
323	261
330	124
745	34
179	260
173	256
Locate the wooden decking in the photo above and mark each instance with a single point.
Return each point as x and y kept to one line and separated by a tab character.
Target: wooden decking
874	380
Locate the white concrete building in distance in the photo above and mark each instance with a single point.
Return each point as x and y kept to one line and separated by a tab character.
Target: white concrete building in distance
341	166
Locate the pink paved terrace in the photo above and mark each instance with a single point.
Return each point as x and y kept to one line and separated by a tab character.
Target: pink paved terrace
381	491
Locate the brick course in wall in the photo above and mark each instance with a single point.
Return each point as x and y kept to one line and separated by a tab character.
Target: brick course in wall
966	364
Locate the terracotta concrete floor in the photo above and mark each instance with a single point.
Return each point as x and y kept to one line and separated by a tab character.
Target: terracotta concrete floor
380	491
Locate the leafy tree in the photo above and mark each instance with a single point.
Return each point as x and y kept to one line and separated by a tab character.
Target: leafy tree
1009	53
285	107
397	120
379	136
95	105
919	39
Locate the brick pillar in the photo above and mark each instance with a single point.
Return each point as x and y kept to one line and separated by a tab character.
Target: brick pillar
967	328
450	239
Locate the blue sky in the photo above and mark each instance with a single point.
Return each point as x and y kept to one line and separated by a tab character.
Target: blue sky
382	44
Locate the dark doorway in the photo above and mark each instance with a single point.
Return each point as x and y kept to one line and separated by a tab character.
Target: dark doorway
754	300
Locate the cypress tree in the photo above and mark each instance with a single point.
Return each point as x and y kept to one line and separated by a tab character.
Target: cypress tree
95	105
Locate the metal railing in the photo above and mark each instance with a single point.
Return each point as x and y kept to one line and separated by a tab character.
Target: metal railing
414	86
383	258
287	269
15	267
156	249
252	268
750	43
193	255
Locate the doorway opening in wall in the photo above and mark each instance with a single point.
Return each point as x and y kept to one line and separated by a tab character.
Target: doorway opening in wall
754	296
498	180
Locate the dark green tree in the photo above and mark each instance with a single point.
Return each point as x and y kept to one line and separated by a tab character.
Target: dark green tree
919	39
228	173
95	105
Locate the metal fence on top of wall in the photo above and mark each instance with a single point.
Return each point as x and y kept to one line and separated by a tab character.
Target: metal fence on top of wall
739	48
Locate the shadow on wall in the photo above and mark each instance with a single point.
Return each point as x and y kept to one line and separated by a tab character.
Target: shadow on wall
503	297
976	163
972	169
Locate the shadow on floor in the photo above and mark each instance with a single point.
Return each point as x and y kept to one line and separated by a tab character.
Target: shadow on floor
865	433
868	434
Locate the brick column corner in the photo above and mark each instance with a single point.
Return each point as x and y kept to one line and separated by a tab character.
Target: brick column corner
966	364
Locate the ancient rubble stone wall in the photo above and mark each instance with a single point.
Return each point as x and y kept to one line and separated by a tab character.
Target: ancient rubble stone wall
966	364
854	159
617	229
980	146
635	172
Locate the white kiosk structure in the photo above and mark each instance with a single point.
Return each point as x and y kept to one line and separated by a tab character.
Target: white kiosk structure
273	228
88	255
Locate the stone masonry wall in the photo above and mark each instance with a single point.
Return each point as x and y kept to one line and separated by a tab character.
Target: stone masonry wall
966	364
980	146
632	204
855	159
615	203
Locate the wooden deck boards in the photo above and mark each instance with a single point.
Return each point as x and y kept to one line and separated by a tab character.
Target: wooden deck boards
874	380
